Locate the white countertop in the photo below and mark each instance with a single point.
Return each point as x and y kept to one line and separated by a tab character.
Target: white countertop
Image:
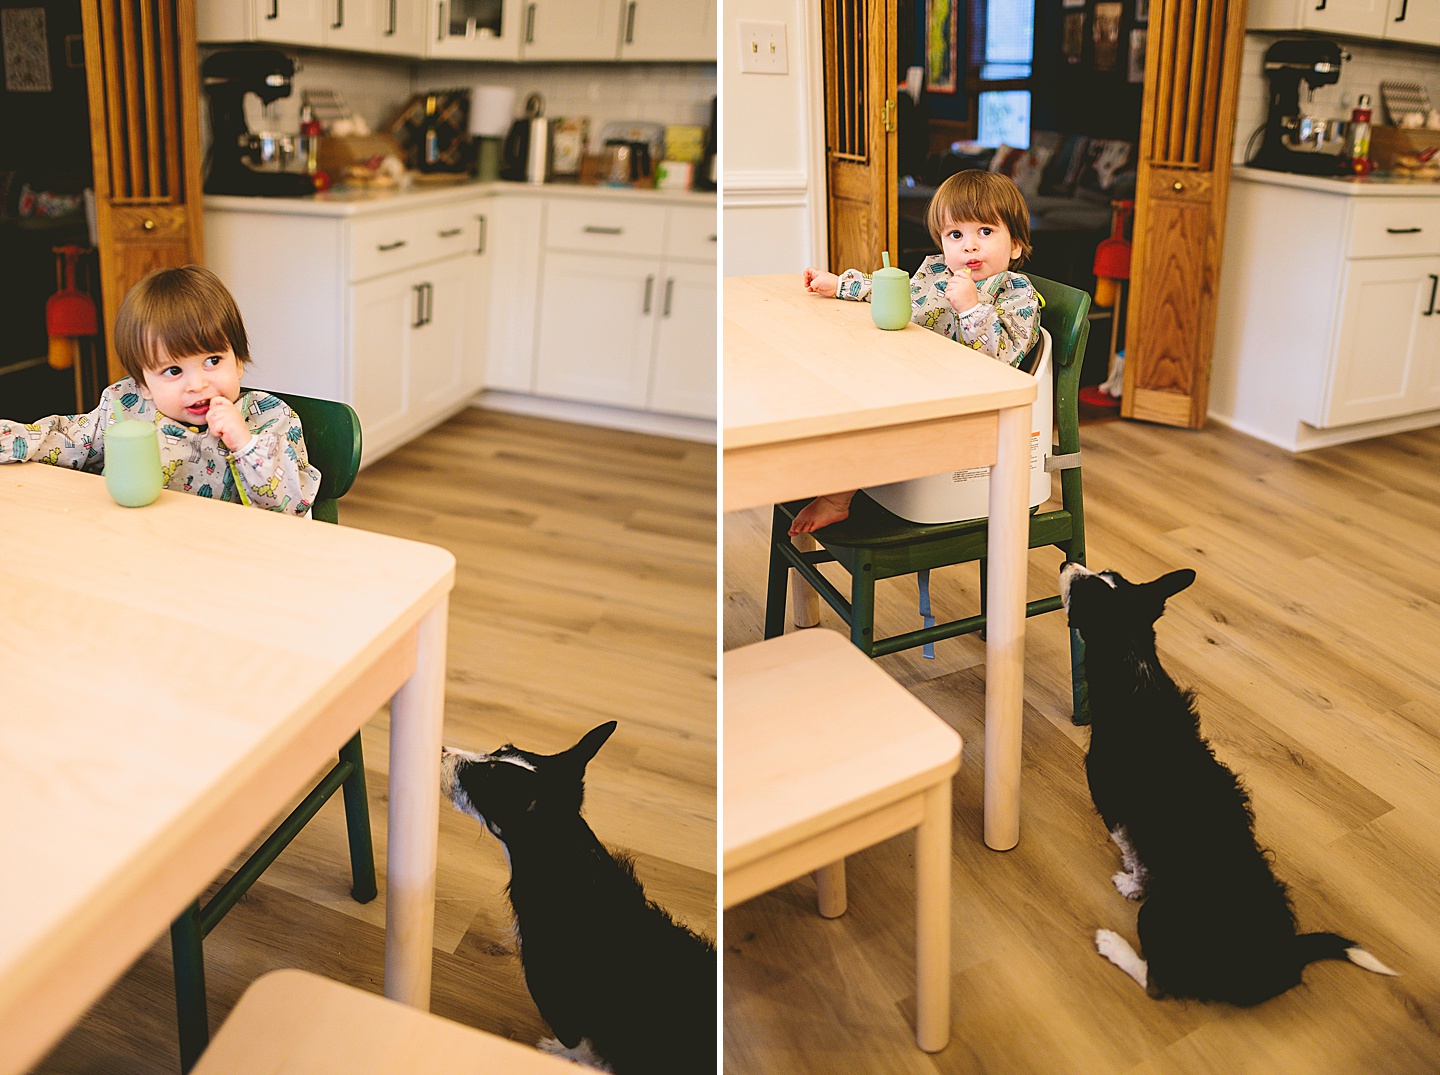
358	201
1385	186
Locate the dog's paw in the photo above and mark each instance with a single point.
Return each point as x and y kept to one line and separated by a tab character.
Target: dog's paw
1129	886
583	1054
1108	943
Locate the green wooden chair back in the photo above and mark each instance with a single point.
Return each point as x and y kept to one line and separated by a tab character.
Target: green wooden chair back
332	439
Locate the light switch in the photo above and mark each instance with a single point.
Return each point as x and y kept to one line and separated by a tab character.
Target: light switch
762	48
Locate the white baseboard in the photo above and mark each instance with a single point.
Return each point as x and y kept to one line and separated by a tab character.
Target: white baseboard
591	414
1308	438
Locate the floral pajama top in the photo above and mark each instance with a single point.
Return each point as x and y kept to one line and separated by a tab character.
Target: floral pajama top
1004	324
273	468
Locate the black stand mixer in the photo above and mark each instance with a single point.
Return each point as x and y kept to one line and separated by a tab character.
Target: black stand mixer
228	77
1294	142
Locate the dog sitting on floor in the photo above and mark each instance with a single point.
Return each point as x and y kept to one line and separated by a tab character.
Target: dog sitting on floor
616	978
1215	924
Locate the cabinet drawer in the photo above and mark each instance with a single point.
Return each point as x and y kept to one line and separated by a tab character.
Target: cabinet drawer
693	233
1394	227
154	223
395	241
604	227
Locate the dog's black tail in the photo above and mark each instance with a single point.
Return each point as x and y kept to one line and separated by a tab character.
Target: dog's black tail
1316	946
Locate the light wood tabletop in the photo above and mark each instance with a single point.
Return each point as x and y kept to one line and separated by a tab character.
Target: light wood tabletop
290	1022
814	392
819	400
173	676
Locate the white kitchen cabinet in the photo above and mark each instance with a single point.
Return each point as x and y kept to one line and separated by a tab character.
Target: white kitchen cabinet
400	27
627	307
384	310
1330	323
682	380
669	30
475	29
571	29
1416	21
339	24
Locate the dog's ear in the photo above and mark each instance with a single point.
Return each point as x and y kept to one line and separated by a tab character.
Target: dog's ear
1167	586
580	754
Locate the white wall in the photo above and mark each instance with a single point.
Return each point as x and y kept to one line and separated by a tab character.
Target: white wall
769	178
1369	63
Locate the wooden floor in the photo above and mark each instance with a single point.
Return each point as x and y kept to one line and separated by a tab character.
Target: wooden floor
1312	637
585	592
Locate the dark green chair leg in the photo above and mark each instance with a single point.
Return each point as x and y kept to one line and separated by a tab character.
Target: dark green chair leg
357	821
862	607
984	590
778	579
189	960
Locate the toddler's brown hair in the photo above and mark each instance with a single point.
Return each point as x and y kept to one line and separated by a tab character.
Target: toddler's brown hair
984	197
176	312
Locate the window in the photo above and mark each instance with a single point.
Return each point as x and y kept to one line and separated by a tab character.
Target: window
1001	65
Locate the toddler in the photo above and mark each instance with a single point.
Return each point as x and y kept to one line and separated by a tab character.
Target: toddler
179	337
967	292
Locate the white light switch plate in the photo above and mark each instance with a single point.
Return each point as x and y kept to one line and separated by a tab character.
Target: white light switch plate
762	48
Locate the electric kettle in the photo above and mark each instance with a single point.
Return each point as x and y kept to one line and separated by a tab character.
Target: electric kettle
528	154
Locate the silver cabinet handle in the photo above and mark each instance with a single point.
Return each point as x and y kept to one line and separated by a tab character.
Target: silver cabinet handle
391	31
530	25
1404	7
396	245
669	290
440	20
594	229
339	15
484	230
1403	231
630	24
274	12
450	233
649	291
419	290
1434	283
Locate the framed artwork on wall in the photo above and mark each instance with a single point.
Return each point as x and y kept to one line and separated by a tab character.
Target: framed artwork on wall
941	21
1137	55
1072	3
1142	10
1074	45
1107	35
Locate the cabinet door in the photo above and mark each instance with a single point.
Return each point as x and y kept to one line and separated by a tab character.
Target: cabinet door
475	29
683	379
437	344
400	26
291	22
382	313
477	307
668	30
350	24
1413	20
571	29
1388	340
596	328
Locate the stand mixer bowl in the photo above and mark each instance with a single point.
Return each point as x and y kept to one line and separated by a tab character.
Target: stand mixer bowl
1308	134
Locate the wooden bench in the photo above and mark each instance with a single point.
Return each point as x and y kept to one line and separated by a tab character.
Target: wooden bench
826	755
290	1022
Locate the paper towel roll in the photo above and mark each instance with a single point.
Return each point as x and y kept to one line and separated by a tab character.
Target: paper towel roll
492	110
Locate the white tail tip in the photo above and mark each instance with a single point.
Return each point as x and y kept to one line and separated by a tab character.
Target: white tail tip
1362	958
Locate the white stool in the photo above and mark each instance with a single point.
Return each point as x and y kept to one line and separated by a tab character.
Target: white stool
826	755
290	1022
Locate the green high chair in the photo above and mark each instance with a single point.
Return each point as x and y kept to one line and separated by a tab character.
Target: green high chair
332	441
874	544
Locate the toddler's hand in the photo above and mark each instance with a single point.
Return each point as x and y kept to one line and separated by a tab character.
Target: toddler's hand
227	423
820	282
961	291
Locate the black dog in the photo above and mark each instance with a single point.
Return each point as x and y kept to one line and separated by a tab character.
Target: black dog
602	962
1216	923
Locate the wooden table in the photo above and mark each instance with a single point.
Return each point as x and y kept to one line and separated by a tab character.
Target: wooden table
172	676
818	400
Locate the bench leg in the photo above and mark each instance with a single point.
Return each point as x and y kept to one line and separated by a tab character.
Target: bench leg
803	599
932	921
830	880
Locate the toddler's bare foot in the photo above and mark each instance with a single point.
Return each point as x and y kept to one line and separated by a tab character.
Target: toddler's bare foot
822	511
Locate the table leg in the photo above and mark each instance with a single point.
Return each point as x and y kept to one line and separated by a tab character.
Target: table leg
417	715
932	920
1005	628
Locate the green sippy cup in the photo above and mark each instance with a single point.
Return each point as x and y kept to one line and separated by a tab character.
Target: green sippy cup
890	296
132	463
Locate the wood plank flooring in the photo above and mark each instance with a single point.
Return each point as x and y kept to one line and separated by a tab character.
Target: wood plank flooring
585	592
1312	637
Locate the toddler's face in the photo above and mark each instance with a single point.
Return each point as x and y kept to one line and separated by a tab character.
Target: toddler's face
984	249
183	387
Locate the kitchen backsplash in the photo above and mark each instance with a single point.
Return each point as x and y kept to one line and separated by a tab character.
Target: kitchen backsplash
376	88
1368	65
